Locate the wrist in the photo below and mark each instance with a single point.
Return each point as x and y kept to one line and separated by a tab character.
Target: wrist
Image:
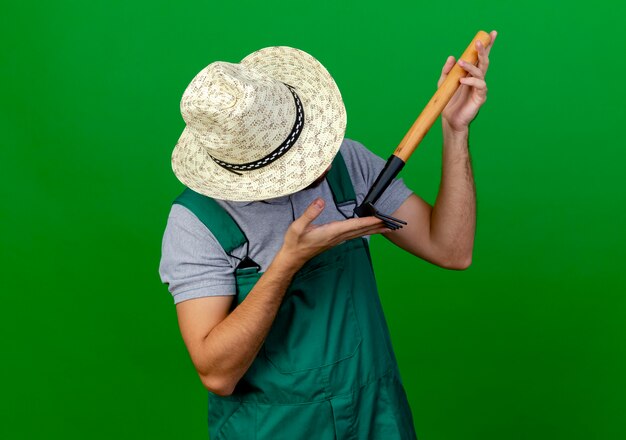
455	136
287	261
452	131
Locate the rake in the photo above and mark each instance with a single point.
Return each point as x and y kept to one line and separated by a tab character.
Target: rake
415	135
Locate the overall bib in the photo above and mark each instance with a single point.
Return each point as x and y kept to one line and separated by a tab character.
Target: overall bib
327	369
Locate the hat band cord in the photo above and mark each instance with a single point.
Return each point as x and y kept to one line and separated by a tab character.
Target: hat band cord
280	150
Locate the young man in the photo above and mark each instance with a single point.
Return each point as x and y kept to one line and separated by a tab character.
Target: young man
270	270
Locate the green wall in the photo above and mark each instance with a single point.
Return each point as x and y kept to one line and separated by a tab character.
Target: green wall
528	343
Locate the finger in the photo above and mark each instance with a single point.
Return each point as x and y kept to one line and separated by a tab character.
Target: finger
448	65
310	213
478	84
483	59
363	231
471	69
343	226
358	227
493	35
340	227
474	82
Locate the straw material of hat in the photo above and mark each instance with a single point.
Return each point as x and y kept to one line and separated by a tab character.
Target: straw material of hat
265	127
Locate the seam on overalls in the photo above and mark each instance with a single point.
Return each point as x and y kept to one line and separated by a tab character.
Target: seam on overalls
375	379
218	435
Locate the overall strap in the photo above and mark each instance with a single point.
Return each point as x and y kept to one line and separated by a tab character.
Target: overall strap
215	218
343	190
339	181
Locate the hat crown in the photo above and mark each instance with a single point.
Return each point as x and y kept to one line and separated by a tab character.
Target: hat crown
237	113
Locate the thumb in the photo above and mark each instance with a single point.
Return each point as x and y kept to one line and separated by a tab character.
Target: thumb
312	212
447	67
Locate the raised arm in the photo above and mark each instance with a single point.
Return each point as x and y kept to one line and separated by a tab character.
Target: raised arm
444	233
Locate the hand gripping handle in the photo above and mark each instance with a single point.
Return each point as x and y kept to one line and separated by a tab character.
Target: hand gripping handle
439	100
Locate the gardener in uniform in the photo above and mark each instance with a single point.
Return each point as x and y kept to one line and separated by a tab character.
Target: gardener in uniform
269	268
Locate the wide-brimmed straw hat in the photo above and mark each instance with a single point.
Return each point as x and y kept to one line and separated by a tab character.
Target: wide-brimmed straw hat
265	127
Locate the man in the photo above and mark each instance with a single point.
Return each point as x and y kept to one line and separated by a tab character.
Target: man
270	270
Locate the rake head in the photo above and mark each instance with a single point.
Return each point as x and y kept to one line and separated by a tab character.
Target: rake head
384	179
368	209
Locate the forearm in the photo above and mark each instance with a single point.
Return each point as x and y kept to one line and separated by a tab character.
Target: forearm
453	217
232	345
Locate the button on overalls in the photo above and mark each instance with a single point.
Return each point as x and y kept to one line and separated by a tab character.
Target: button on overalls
327	369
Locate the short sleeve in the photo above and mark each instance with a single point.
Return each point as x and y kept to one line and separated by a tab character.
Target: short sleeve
364	167
193	263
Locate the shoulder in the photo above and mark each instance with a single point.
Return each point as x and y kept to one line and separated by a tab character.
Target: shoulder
193	264
182	218
185	231
357	155
359	159
352	148
363	164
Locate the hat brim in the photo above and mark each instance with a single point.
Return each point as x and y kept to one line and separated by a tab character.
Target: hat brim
321	137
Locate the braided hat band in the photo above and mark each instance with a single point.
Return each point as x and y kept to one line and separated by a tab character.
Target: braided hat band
291	139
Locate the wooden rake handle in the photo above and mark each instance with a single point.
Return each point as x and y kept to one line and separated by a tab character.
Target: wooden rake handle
439	100
416	133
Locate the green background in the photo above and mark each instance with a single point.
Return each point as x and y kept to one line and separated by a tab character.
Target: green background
528	343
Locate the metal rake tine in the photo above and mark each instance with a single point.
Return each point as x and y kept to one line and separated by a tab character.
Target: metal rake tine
388	223
390	218
393	226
